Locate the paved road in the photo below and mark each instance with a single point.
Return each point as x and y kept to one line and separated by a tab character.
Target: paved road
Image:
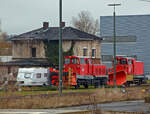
35	111
127	106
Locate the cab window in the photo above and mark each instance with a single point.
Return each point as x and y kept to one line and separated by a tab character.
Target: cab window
123	61
90	61
129	61
75	61
117	61
82	61
86	61
67	61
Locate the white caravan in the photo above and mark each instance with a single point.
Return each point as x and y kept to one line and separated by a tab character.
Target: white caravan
33	76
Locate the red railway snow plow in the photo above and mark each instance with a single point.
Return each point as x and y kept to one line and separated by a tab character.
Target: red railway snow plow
128	71
121	78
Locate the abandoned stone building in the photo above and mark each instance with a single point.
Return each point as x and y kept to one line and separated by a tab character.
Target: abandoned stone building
31	44
29	49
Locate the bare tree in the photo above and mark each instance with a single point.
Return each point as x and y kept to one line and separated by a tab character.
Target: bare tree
86	23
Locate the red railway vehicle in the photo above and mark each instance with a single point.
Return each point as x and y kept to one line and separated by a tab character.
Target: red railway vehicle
69	77
128	71
82	71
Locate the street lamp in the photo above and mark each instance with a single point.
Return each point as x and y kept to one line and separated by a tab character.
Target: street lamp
114	15
60	47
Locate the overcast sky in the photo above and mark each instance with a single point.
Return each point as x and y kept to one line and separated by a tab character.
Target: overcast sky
19	16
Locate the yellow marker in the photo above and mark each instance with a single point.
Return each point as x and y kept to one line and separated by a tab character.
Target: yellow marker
143	90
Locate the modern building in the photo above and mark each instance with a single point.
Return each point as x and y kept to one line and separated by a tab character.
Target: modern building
137	30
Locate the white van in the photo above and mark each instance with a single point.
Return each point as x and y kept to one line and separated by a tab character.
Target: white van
33	76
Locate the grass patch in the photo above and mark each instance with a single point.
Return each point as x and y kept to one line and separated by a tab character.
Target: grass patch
148	81
44	90
93	96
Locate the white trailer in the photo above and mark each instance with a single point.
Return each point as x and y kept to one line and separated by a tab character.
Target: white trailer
33	76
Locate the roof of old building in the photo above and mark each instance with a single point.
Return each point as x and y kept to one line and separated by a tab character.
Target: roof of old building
52	33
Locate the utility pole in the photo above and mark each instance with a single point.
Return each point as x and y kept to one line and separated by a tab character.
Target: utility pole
114	35
0	26
60	47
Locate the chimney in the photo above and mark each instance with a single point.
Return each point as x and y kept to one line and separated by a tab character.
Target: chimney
62	24
45	25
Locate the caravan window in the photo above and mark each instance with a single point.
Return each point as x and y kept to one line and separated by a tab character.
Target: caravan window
27	75
45	74
38	75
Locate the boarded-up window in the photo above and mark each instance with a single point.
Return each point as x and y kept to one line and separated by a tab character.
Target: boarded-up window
33	52
9	69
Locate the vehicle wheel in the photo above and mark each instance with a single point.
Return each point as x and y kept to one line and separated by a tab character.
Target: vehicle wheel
139	82
44	84
127	84
96	85
86	85
77	86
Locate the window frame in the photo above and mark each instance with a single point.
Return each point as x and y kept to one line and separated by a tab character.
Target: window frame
85	51
33	52
93	52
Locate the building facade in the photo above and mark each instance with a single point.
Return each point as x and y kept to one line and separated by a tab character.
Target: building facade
129	25
35	49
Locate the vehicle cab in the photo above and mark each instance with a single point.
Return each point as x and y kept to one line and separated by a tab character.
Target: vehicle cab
81	65
126	64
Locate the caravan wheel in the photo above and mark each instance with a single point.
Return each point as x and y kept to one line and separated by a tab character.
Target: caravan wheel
44	85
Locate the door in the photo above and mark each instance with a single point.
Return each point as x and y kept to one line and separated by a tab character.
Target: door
84	67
